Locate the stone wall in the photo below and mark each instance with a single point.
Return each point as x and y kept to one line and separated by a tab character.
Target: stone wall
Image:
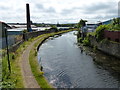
109	47
29	35
25	37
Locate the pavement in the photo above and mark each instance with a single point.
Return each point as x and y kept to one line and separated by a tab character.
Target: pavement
28	78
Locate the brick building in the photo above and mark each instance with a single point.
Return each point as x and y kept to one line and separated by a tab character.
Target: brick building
112	35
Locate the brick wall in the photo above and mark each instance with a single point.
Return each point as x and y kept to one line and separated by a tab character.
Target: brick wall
112	35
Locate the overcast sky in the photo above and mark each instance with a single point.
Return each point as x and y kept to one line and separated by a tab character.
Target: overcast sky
62	11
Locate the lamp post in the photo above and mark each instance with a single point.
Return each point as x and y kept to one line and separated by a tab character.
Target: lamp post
9	67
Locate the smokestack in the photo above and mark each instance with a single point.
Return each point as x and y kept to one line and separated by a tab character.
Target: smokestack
28	18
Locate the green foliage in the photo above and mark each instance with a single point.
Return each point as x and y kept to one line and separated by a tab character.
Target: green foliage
115	25
35	67
91	34
99	33
79	40
78	34
14	79
25	31
8	84
105	41
116	21
81	23
54	28
95	48
36	71
86	41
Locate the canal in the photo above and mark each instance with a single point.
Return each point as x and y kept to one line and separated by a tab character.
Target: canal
65	66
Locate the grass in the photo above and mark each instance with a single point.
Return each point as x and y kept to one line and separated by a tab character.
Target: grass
36	70
35	67
15	79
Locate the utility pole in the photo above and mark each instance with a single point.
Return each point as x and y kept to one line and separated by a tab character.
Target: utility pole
9	67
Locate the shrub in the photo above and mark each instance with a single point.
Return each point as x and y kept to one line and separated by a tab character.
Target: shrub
25	31
79	40
99	33
78	34
95	48
86	42
115	25
53	27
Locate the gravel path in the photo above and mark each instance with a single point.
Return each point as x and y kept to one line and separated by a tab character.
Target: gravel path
29	79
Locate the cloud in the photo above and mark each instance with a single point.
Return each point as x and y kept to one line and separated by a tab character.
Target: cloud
40	7
67	11
109	7
58	10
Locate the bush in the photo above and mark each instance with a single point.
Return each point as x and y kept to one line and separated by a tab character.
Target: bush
86	42
99	33
115	25
25	31
53	27
95	48
79	40
78	34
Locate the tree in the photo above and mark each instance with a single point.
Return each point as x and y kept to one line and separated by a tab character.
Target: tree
54	27
115	24
116	21
81	23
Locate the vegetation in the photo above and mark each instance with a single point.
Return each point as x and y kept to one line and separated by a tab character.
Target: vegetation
115	26
25	31
58	25
86	41
35	67
53	27
13	79
94	48
99	33
81	23
66	25
36	70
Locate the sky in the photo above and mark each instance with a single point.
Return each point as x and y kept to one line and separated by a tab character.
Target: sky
58	11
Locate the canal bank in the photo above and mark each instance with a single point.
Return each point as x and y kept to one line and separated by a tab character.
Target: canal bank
16	79
35	67
65	66
109	47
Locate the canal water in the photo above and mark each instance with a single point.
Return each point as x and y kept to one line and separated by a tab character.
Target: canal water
65	66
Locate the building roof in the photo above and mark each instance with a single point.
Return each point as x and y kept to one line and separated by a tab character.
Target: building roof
5	24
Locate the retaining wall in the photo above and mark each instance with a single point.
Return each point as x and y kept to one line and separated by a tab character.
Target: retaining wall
26	36
109	47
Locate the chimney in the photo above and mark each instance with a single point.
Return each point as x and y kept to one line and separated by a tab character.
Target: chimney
28	18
